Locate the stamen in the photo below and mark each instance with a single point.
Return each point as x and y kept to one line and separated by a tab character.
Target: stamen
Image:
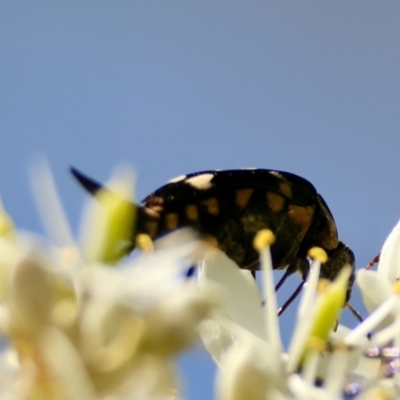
387	335
262	242
319	254
304	318
264	238
336	370
396	288
372	321
144	242
311	367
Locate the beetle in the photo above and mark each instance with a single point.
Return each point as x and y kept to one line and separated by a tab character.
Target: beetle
231	206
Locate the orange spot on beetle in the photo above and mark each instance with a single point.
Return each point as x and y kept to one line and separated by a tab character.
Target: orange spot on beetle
301	216
151	228
275	201
243	197
171	221
212	205
192	212
286	189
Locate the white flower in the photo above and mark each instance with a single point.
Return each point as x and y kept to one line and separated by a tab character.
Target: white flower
71	327
380	292
389	260
248	350
81	330
243	337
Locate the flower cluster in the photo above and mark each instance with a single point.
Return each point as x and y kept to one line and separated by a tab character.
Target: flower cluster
323	361
77	321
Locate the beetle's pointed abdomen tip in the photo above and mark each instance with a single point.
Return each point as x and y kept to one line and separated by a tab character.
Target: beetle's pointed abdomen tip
87	183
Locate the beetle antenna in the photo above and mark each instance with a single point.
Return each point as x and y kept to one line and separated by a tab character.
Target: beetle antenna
354	312
373	261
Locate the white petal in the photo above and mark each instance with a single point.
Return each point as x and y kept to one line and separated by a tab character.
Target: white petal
389	264
243	299
304	390
153	379
336	373
217	337
370	323
64	361
31	293
146	279
49	205
375	289
254	371
367	368
387	335
355	355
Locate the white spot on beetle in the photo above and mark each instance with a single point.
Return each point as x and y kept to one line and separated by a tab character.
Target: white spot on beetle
177	179
201	182
276	173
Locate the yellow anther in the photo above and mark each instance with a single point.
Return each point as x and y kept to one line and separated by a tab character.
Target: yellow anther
323	285
317	344
318	254
211	241
263	239
339	346
144	242
396	287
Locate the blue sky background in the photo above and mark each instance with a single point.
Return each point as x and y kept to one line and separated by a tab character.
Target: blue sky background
180	86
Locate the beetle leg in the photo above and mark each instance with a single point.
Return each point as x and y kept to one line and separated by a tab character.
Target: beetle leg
291	298
299	264
283	279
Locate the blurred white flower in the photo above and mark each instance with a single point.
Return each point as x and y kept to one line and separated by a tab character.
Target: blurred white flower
106	231
72	328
